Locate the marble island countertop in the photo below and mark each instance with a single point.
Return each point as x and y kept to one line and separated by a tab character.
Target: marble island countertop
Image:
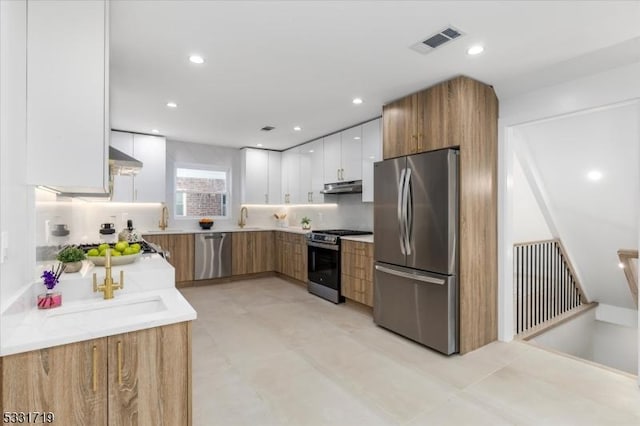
149	299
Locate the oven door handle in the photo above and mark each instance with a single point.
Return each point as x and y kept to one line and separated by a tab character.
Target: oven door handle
324	246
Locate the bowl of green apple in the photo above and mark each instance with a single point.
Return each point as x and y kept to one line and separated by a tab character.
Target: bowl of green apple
122	253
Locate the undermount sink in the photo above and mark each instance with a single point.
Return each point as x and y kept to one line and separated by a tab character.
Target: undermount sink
105	310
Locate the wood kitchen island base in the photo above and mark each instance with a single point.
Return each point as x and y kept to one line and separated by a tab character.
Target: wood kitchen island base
137	378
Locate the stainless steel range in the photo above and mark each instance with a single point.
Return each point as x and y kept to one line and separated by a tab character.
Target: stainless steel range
323	266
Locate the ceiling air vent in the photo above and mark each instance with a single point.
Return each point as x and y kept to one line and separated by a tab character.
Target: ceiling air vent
267	128
436	40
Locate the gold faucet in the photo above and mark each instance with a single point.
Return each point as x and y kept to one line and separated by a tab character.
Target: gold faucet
164	217
108	286
244	214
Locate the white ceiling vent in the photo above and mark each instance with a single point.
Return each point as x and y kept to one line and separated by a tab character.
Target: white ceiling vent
436	40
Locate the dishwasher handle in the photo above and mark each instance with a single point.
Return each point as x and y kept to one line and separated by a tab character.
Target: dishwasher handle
213	237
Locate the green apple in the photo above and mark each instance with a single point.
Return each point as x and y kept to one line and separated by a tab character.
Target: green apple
121	245
103	246
128	251
115	253
135	247
93	252
103	252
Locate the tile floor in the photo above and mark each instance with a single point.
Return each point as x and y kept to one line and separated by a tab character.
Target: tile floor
266	352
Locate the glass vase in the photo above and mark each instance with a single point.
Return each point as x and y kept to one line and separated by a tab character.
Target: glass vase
49	300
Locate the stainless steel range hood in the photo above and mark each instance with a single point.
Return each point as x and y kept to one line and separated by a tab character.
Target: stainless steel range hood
350	187
122	164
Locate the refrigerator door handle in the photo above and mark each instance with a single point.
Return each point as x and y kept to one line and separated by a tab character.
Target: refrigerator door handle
408	215
423	278
401	203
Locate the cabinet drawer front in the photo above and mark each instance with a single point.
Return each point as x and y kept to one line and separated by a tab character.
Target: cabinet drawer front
357	289
357	266
357	247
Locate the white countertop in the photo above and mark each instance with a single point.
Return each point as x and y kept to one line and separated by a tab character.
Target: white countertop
360	238
149	299
292	229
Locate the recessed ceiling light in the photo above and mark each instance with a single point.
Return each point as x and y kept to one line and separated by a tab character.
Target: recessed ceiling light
594	175
172	105
475	50
258	145
196	59
297	128
356	138
357	101
155	131
311	150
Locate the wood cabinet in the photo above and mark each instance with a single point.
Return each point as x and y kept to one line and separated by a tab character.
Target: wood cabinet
291	255
343	155
461	113
252	252
148	186
418	122
357	271
371	152
67	98
139	377
261	176
149	376
179	249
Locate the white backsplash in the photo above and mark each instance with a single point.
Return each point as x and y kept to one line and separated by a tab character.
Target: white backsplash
84	218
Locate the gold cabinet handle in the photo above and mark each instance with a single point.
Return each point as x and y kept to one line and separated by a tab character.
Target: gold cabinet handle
119	362
94	380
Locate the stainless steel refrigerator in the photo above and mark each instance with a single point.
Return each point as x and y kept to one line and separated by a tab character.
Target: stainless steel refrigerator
416	247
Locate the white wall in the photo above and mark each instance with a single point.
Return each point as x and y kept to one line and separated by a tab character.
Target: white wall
605	88
607	343
529	223
16	198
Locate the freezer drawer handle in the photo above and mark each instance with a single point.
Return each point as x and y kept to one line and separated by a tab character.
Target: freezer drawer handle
410	276
213	237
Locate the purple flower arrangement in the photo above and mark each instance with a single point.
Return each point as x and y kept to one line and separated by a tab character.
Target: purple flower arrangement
52	277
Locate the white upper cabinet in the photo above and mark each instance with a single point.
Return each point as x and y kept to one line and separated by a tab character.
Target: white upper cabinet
343	156
261	172
351	154
371	152
332	163
275	178
311	177
291	176
68	95
149	185
122	185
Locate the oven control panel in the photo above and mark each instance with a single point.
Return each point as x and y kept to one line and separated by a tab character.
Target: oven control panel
322	238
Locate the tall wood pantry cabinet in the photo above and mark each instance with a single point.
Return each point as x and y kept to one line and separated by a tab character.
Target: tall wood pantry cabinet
460	113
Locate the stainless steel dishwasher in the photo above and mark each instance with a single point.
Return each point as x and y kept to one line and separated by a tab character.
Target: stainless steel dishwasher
213	255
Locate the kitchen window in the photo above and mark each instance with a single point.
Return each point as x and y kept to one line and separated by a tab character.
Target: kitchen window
201	191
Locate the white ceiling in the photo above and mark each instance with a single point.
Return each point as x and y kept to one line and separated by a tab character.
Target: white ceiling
594	219
287	63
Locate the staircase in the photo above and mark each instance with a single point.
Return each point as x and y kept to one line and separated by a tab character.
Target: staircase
546	287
